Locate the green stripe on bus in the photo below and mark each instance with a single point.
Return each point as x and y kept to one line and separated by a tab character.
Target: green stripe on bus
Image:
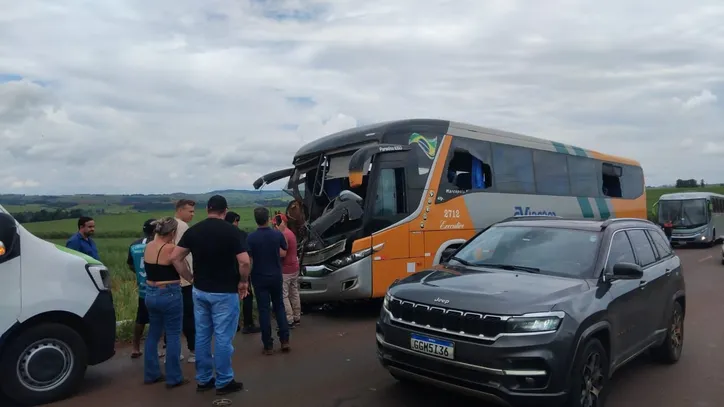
579	151
560	147
603	208
586	208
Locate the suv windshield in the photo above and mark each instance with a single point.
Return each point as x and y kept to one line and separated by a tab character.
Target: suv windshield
536	249
687	213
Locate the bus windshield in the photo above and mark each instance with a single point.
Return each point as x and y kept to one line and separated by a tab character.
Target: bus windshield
687	213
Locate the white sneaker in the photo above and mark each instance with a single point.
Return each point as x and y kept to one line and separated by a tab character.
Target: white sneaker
192	357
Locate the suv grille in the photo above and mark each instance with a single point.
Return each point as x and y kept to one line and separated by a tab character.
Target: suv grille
456	321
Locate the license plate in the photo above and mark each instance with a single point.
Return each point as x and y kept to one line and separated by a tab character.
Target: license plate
432	346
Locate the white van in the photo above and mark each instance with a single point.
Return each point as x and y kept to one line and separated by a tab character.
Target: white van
56	316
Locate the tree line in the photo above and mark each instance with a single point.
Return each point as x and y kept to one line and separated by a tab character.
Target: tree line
45	215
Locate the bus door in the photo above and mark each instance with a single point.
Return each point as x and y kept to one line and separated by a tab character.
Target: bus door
388	204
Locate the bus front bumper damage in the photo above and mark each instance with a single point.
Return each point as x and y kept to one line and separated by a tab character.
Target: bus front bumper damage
351	282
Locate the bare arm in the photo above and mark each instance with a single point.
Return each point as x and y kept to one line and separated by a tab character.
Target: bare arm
244	266
178	259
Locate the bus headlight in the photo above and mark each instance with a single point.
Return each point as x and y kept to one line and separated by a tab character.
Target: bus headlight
356	256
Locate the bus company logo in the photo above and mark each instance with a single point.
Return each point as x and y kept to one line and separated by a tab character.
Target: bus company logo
428	146
521	211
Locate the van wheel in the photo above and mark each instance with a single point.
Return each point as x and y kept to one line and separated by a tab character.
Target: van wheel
43	364
670	351
589	383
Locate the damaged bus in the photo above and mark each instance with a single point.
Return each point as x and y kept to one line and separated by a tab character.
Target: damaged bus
375	203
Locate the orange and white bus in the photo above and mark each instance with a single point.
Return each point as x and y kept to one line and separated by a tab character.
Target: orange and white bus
386	200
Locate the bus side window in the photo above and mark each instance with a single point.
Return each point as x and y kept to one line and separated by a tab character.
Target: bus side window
469	168
513	168
611	177
551	173
584	176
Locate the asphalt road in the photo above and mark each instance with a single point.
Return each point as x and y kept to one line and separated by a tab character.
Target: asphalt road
333	364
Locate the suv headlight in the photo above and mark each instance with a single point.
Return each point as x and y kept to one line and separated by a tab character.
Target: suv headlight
531	323
386	301
100	276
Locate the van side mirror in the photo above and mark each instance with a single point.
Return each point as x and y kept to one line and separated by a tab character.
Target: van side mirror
627	271
8	234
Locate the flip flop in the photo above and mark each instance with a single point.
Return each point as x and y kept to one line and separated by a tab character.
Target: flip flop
136	355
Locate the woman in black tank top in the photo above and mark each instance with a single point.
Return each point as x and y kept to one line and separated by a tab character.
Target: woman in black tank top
165	306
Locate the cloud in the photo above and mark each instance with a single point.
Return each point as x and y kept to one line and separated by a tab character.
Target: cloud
131	96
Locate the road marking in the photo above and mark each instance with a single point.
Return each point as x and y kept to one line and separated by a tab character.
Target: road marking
705	259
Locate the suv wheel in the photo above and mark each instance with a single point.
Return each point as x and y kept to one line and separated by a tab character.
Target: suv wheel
670	351
590	376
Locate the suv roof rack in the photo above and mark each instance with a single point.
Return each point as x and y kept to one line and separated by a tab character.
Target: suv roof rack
609	222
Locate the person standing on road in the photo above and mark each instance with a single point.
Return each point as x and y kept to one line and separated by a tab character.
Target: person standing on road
135	263
266	248
165	305
82	241
185	209
221	272
290	273
248	301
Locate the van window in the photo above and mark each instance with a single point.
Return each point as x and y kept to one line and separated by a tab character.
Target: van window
584	176
513	169
551	173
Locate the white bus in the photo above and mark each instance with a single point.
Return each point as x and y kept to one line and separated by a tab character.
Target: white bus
697	217
56	316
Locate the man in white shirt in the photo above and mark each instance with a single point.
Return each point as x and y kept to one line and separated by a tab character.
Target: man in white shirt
184	214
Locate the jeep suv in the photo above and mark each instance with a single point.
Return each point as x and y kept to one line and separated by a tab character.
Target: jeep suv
537	311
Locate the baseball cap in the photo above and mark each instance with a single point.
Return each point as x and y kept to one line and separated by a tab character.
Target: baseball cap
217	203
149	227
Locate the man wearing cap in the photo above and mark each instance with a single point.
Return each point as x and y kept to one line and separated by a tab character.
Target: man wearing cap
135	263
221	276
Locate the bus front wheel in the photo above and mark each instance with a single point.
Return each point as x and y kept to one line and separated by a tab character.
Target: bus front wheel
44	363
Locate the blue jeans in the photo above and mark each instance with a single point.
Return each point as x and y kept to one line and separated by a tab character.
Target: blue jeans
270	290
216	314
165	313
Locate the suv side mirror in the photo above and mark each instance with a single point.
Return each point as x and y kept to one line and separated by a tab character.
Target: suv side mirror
627	271
8	234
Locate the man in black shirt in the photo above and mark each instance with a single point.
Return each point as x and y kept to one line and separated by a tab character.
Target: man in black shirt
266	248
248	302
221	271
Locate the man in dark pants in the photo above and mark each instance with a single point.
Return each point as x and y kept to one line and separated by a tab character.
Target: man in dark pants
266	247
248	301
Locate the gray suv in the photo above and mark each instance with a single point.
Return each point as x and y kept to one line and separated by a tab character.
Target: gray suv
537	311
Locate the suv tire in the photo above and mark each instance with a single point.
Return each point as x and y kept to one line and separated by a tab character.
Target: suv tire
589	378
669	351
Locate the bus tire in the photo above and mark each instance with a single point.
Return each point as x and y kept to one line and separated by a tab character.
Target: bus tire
44	363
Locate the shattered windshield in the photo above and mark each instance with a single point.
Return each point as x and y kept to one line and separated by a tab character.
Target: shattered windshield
683	213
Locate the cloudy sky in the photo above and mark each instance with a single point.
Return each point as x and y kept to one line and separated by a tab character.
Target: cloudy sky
123	96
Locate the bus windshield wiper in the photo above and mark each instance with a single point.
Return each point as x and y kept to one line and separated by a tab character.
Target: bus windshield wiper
459	260
511	267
